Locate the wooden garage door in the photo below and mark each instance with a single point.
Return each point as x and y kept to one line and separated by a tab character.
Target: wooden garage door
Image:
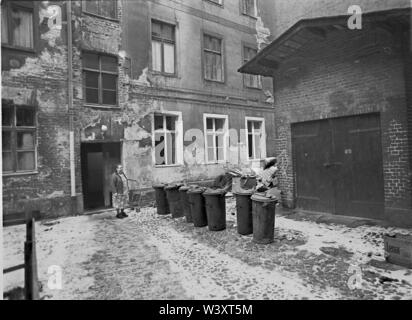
338	166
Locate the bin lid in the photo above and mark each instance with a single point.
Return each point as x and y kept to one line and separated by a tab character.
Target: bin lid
158	186
244	192
173	186
196	190
184	188
262	198
214	192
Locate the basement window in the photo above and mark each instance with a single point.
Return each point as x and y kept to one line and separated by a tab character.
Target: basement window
216	136
163	47
249	8
19	146
168	147
250	80
17	24
213	58
100	79
255	138
102	8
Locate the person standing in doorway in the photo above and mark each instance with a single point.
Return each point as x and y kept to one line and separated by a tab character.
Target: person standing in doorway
120	189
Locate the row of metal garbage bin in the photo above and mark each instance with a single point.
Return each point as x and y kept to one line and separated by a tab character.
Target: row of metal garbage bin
207	207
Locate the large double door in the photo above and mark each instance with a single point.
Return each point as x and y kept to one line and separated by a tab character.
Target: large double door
338	166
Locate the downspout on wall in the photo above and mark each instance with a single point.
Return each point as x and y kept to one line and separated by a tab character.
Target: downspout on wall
70	106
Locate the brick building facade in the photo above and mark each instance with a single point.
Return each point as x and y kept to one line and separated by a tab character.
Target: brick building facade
342	107
124	77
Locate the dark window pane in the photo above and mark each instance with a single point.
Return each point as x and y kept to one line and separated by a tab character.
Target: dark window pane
109	81
219	124
108	8
170	123
25	161
25	140
109	97
91	61
92	95
91	79
250	145
7	116
25	117
209	123
158	122
4	25
7	161
92	6
249	126
109	63
22	21
156	29
168	32
159	149
6	140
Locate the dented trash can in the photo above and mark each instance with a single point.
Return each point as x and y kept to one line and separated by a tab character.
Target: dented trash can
197	206
215	202
263	212
162	205
184	199
173	198
244	211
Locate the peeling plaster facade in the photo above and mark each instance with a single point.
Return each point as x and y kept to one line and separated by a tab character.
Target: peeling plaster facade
40	79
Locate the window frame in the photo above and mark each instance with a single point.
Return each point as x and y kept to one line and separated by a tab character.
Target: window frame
14	129
225	137
30	6
162	41
100	82
262	138
178	136
222	54
244	13
219	3
260	85
115	19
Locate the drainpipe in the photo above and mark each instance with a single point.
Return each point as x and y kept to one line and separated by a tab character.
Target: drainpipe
70	104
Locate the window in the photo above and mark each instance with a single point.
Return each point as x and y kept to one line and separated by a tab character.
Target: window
255	140
216	135
213	58
250	80
103	8
249	8
19	138
163	47
17	25
168	138
100	79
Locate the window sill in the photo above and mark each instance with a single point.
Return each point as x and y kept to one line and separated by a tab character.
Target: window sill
214	81
99	106
249	16
219	162
163	74
215	3
101	17
160	166
22	49
252	88
18	174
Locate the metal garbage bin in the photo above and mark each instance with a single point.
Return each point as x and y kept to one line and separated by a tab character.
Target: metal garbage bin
184	199
197	206
173	197
161	200
244	211
263	212
215	201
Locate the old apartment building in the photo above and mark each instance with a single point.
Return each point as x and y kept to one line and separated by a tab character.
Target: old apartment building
89	84
342	106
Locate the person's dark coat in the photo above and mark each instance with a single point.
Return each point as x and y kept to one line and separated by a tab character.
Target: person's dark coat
117	183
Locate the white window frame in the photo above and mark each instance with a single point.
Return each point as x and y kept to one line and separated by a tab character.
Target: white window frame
179	138
262	138
225	136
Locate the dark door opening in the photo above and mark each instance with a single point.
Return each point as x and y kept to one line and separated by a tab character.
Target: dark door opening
98	161
338	166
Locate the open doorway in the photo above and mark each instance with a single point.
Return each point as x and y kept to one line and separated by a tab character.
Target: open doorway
98	161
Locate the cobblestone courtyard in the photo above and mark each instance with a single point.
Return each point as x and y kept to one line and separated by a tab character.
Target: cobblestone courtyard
147	256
